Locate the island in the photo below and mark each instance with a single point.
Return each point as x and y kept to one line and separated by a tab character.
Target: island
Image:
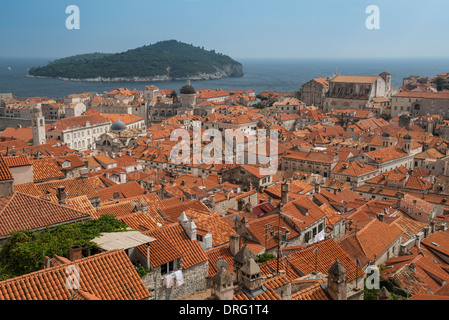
163	61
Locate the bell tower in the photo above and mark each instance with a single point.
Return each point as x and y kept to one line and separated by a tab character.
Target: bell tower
407	143
38	126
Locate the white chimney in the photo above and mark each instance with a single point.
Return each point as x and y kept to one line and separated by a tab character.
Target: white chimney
122	177
188	225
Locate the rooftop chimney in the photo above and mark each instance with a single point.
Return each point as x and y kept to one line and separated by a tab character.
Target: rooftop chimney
75	253
317	188
188	225
84	173
122	177
62	195
212	200
234	244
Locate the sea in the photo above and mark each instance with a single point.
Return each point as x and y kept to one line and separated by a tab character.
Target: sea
282	75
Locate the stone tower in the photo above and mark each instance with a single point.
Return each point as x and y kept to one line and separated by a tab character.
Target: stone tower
387	78
336	283
407	143
38	126
150	92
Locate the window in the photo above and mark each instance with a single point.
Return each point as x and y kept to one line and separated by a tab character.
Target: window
307	237
168	267
314	232
320	227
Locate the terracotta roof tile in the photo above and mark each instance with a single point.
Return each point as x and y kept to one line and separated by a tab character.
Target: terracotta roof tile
74	187
142	221
28	188
5	173
376	237
116	210
173	243
106	276
17	161
46	169
313	292
20	211
125	190
325	252
82	204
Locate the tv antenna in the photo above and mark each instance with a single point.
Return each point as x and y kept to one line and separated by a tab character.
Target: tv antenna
222	264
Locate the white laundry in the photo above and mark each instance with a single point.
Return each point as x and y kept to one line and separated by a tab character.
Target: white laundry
179	277
319	236
168	281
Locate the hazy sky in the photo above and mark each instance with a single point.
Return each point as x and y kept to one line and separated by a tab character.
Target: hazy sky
239	28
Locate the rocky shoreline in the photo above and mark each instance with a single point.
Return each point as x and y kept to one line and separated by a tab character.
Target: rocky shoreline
219	74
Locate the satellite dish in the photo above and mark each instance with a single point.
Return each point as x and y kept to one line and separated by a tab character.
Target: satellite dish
222	264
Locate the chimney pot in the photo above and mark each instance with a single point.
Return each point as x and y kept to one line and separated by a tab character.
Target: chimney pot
234	244
61	195
75	253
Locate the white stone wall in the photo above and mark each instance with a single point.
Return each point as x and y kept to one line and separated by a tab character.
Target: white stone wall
194	281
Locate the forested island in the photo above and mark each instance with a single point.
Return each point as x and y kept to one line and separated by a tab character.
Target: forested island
165	60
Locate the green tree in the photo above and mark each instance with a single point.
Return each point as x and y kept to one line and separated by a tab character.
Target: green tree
439	83
265	257
174	96
298	94
25	250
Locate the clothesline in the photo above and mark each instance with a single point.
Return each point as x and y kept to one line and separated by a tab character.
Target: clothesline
172	279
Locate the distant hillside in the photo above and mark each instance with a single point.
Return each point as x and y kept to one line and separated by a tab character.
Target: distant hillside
165	60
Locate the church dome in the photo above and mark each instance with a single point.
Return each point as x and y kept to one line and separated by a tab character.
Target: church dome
187	89
118	125
408	137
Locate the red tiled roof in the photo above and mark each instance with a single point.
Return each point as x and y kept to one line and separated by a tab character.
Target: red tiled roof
74	187
325	252
116	210
313	292
124	117
125	190
376	237
28	188
5	173
20	211
46	169
172	243
17	161
107	276
141	221
75	122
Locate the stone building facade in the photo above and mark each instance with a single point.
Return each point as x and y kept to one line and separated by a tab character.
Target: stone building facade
420	103
195	279
355	92
314	92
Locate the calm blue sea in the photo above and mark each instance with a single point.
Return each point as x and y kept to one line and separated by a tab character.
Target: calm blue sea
260	75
